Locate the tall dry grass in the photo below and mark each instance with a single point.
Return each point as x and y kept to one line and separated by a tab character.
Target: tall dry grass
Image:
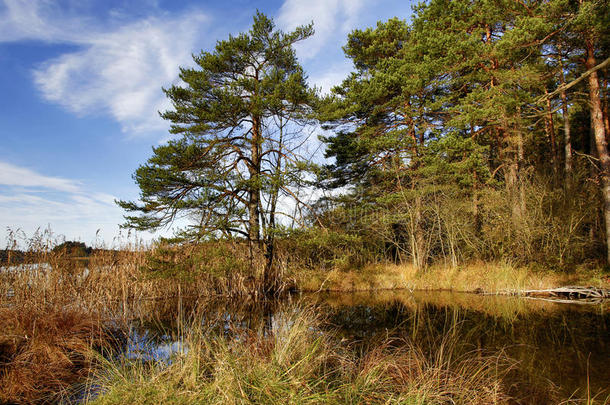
295	363
493	277
55	307
44	351
120	279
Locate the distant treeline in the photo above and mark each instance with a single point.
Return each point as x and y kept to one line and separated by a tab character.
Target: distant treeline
68	249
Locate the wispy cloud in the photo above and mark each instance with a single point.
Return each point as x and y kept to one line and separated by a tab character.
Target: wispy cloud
332	19
39	20
332	77
29	200
11	175
118	70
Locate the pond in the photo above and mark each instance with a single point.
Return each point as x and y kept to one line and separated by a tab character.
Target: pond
552	346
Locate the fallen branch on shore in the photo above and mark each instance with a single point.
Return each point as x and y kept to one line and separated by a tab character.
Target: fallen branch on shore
587	301
569	294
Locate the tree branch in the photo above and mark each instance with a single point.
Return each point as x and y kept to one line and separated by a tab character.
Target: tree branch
576	81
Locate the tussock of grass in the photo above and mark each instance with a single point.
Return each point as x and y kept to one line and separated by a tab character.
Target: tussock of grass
43	351
296	364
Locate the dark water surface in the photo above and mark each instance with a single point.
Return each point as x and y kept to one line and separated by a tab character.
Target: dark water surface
566	344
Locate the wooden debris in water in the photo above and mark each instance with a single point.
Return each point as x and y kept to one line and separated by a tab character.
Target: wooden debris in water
570	293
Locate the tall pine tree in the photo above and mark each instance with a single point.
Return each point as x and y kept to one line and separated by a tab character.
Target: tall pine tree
232	159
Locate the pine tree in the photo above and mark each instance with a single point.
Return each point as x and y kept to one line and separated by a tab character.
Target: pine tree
233	158
453	101
593	23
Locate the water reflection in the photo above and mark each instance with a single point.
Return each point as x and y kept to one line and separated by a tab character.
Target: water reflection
566	344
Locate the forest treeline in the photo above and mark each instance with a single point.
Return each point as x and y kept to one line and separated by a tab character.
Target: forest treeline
475	131
460	126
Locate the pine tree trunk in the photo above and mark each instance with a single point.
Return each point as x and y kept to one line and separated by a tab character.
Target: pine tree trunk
254	200
520	165
418	238
604	97
567	136
270	280
512	155
476	211
550	129
511	175
601	143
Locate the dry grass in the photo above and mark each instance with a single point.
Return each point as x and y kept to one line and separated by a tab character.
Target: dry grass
489	277
373	277
48	299
500	277
295	363
299	362
44	351
116	282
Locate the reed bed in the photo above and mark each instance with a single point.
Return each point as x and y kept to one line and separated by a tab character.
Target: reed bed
117	281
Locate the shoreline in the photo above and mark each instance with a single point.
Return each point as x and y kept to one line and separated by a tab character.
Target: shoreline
476	278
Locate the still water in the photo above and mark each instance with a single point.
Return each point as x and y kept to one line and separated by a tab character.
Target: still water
552	346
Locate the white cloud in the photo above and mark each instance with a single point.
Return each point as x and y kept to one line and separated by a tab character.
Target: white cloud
11	175
30	200
37	20
332	77
332	19
118	71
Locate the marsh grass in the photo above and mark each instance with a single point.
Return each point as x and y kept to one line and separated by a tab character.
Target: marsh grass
44	351
118	281
476	276
295	362
55	308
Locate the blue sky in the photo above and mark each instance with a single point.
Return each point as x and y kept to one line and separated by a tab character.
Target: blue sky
81	86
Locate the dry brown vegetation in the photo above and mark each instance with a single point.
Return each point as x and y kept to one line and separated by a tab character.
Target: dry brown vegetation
477	276
53	308
117	281
45	350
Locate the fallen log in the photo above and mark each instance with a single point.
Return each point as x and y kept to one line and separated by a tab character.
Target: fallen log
588	301
569	292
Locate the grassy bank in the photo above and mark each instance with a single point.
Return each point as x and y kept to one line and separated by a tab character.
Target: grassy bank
49	350
116	281
488	277
55	311
298	361
296	364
